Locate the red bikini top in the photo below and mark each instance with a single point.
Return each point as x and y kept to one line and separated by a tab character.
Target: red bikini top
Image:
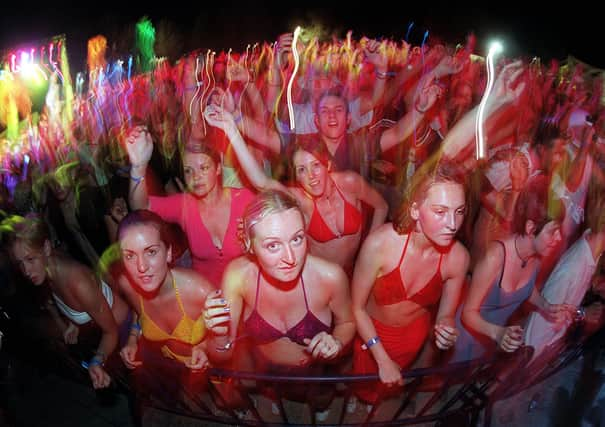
319	231
390	289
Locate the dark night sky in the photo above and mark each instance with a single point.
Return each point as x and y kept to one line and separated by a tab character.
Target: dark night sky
549	32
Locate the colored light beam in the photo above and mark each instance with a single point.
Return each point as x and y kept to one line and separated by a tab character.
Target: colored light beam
292	77
494	49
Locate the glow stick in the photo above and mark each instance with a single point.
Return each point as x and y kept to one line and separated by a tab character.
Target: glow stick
292	77
494	49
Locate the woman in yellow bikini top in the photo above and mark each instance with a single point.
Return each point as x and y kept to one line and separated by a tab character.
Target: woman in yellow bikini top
166	299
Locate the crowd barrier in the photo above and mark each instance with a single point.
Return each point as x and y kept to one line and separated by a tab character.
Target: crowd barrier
460	394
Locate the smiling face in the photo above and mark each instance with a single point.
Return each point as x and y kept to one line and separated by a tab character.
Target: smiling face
332	118
441	213
31	261
311	173
280	245
201	173
145	256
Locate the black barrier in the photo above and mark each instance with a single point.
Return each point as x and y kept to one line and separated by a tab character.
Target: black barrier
455	394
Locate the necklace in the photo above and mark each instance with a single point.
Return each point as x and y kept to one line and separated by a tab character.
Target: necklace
523	261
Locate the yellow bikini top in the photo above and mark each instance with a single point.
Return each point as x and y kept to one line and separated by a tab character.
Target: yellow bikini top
188	331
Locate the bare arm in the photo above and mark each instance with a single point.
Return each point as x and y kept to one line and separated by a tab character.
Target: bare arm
366	271
445	332
375	53
368	195
484	275
87	292
405	126
139	147
223	120
340	304
463	132
233	287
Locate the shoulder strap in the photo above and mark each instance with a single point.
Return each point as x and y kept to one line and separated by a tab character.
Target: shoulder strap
178	296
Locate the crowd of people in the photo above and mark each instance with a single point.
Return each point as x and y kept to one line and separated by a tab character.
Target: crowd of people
309	208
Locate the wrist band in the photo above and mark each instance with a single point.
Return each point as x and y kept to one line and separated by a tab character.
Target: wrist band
370	343
97	360
381	75
384	74
237	119
135	330
137	179
421	111
195	87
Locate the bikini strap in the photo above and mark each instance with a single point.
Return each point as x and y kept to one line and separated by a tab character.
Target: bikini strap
405	248
439	265
304	291
178	296
257	289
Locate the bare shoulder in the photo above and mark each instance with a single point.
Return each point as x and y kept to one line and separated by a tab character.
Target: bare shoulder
192	283
381	236
77	277
457	260
346	178
326	274
238	273
326	270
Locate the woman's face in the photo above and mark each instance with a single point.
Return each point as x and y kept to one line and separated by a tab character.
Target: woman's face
519	170
311	174
548	238
441	213
558	153
280	245
201	173
31	261
145	256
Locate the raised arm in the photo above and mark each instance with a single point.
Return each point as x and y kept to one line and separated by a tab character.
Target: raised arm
139	147
405	126
374	52
275	83
220	118
505	92
367	194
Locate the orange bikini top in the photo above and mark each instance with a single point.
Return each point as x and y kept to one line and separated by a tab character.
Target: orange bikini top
188	331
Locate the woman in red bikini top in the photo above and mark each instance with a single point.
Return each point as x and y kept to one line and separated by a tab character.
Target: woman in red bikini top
295	308
408	271
331	201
